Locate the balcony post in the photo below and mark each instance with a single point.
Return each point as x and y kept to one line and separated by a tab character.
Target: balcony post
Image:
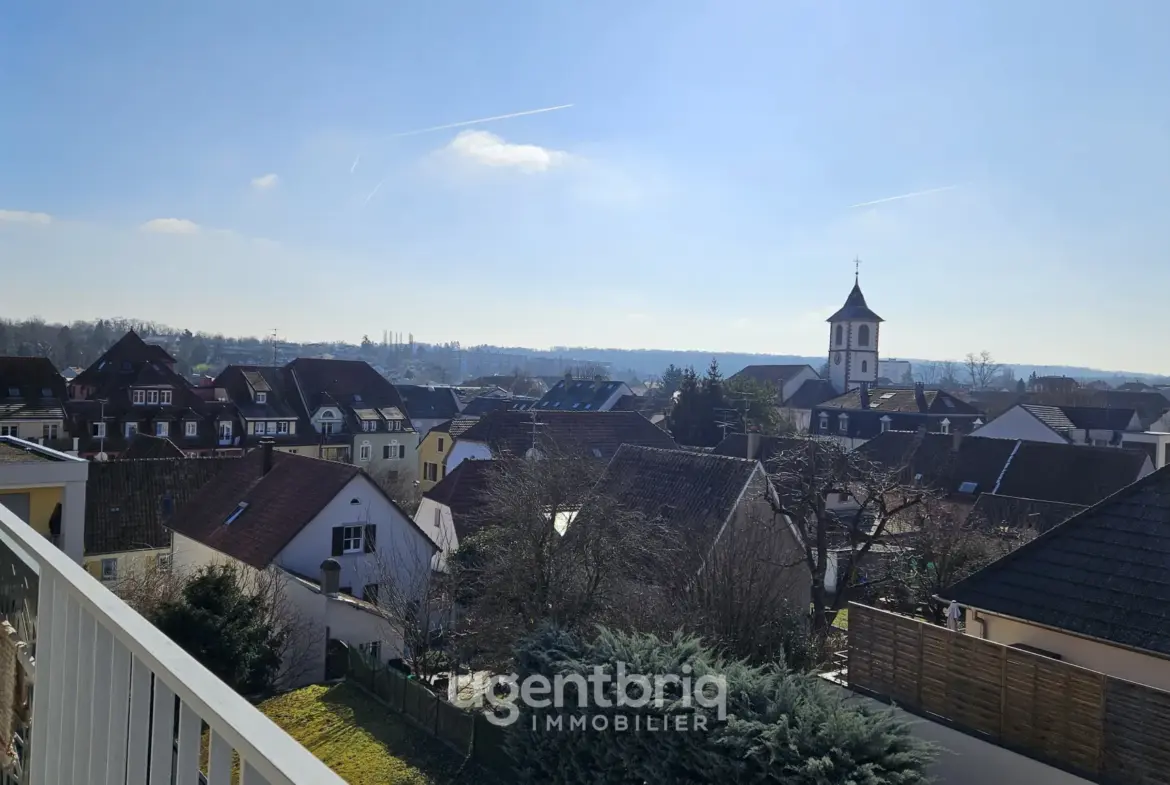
73	520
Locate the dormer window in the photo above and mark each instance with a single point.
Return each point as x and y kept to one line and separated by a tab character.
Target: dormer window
261	397
843	423
191	428
945	426
152	397
282	427
138	396
326	415
885	423
824	421
164	397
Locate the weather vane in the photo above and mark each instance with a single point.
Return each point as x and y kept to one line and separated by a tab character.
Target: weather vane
856	268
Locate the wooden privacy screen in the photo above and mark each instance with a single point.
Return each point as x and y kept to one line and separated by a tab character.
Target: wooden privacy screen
1105	729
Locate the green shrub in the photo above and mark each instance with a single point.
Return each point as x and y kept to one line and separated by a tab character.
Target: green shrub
780	727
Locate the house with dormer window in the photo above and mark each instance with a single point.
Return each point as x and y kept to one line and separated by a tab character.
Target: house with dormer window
32	396
266	406
133	388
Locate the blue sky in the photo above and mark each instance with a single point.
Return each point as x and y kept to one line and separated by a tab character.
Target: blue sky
698	194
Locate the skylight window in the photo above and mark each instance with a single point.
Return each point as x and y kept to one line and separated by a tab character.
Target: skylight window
13	392
968	487
887	396
236	513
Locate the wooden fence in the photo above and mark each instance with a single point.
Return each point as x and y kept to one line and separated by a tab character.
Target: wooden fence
1104	729
468	733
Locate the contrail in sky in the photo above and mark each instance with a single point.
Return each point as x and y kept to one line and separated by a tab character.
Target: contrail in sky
479	120
371	194
355	163
904	196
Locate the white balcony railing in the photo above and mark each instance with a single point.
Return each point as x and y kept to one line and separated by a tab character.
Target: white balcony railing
114	701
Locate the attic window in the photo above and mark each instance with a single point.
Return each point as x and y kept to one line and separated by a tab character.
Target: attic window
887	396
236	513
13	392
918	477
596	453
968	487
261	397
355	501
357	399
948	403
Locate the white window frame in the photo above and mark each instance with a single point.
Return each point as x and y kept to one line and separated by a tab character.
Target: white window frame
350	535
270	427
225	429
138	396
842	423
50	430
431	472
131	428
162	429
824	421
327	428
191	429
152	397
945	426
164	562
164	397
365	450
109	569
885	421
8	430
261	397
394	452
99	430
282	427
442	443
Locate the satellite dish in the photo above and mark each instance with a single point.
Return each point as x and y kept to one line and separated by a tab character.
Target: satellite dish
101	457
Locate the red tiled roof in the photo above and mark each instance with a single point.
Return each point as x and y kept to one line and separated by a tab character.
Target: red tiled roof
588	432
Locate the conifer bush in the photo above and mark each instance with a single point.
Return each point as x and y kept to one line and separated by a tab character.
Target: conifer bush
780	727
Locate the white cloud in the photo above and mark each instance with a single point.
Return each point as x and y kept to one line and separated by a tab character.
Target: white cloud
170	226
265	182
24	217
487	149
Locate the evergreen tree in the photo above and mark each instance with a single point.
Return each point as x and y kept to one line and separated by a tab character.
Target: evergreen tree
226	628
779	726
671	379
686	414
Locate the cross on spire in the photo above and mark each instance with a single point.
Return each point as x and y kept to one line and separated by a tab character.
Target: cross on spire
856	269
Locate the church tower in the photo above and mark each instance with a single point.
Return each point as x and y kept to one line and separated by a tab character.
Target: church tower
853	343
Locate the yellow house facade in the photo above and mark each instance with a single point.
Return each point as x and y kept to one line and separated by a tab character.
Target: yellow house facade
435	447
46	489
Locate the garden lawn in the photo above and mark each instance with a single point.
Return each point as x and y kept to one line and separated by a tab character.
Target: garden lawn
363	741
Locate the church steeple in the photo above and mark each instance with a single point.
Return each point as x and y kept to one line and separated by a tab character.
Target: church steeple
853	342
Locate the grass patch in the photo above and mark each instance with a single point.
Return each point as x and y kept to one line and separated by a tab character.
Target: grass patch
361	740
841	620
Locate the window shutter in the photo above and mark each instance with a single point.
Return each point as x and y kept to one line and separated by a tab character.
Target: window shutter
402	451
338	540
369	540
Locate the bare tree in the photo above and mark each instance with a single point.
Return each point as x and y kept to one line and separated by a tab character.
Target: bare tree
806	478
145	585
551	549
402	489
941	545
929	373
948	374
982	369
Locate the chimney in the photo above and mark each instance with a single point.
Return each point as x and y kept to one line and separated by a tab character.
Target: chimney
330	577
920	395
864	392
266	446
753	445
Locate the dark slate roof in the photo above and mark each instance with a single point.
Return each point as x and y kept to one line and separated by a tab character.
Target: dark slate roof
587	432
127	502
478	407
143	445
1101	573
812	393
578	395
1067	418
995	510
692	491
776	375
1052	416
1075	474
462	491
347	383
855	308
39	389
280	397
1066	473
736	446
129	355
902	399
429	403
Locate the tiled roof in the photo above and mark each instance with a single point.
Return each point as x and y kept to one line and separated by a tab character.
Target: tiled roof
692	491
347	382
995	510
593	433
813	392
578	395
128	354
39	389
456	427
478	407
126	501
1067	473
280	504
776	375
902	399
143	445
428	402
1052	416
736	446
855	308
1099	417
462	491
1101	573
